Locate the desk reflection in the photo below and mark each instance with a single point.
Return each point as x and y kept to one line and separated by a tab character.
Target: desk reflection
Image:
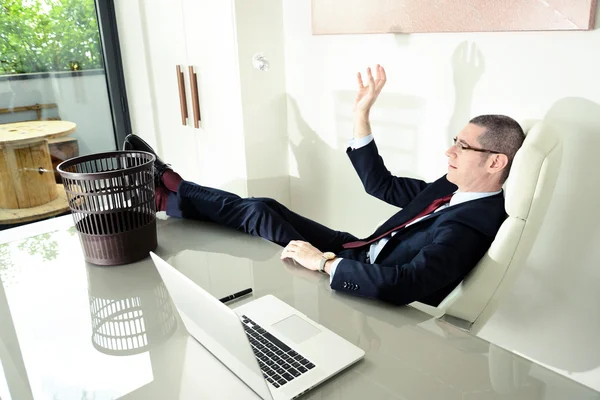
14	383
130	309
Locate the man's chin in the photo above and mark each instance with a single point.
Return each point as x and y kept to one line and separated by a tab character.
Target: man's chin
450	176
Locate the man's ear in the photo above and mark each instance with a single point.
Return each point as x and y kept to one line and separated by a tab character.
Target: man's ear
499	162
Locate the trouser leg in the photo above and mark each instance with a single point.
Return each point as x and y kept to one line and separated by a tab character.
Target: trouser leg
262	217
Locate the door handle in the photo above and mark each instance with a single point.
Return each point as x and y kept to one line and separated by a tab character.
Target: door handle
182	99
195	101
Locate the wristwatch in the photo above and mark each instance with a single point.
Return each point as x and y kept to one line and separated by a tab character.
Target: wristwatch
324	258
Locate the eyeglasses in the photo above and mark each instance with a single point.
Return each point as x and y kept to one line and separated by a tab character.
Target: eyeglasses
462	147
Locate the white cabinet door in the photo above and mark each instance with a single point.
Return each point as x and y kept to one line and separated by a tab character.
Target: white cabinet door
212	50
165	46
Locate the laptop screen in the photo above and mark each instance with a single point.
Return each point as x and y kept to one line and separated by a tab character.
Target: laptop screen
214	325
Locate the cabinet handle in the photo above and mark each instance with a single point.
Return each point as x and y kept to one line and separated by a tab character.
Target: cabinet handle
182	99
195	102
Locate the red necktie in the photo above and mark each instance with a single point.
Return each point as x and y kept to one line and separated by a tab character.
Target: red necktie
432	207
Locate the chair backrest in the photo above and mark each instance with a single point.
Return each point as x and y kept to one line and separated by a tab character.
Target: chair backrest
528	191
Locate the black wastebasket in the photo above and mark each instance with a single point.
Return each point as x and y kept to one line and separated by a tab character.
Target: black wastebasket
111	197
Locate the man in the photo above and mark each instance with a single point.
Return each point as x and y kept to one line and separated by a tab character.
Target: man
421	253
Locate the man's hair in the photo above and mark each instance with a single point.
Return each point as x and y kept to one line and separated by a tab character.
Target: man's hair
503	134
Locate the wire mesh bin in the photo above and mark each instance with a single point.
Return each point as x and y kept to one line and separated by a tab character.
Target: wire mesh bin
111	197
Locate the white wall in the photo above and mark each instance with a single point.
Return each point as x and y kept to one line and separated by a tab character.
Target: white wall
80	99
263	97
436	82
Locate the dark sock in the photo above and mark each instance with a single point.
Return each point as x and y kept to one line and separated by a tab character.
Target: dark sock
161	195
171	180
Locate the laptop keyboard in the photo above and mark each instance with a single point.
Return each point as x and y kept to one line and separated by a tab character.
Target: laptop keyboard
278	362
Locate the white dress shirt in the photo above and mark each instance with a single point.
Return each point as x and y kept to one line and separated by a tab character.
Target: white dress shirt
376	247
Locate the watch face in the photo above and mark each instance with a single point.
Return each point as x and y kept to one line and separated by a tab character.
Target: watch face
328	255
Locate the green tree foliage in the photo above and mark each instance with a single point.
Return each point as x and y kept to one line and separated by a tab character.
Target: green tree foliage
48	35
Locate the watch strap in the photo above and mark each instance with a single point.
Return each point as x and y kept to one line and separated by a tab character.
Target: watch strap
322	264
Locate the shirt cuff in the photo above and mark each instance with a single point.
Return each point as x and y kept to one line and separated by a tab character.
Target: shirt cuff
358	143
334	265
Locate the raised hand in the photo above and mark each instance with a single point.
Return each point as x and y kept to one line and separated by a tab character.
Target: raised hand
367	93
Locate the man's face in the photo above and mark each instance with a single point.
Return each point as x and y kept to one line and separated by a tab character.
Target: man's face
467	169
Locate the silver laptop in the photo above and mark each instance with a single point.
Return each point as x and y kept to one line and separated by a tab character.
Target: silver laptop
272	347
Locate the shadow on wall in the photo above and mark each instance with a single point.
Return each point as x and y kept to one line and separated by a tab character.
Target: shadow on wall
327	188
316	164
467	68
551	314
402	39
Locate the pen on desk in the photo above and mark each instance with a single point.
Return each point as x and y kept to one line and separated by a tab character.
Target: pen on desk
235	295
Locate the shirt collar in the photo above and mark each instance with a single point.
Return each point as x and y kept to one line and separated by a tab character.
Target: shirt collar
461	197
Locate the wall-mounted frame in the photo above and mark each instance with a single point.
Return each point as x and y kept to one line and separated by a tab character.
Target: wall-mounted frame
411	16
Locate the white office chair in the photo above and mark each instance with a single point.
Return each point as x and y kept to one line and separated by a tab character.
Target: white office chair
527	194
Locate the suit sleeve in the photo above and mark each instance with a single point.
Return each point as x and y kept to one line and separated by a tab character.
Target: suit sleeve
454	251
378	181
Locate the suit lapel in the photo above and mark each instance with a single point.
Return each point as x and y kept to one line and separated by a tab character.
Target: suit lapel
406	230
438	189
409	213
436	214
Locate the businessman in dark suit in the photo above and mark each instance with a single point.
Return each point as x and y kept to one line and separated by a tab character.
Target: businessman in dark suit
420	254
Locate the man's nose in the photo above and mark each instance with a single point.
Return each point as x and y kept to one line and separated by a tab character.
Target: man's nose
451	152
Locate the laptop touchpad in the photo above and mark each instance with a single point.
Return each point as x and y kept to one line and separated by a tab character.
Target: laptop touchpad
296	329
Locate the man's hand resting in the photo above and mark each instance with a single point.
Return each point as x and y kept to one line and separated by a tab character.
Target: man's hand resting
303	253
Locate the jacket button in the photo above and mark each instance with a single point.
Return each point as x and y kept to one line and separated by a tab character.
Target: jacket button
357	287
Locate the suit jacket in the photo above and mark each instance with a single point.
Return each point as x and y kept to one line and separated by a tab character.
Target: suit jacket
427	260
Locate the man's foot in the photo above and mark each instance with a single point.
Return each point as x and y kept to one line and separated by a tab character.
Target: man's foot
134	142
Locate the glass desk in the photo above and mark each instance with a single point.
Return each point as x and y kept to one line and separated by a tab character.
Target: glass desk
72	330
